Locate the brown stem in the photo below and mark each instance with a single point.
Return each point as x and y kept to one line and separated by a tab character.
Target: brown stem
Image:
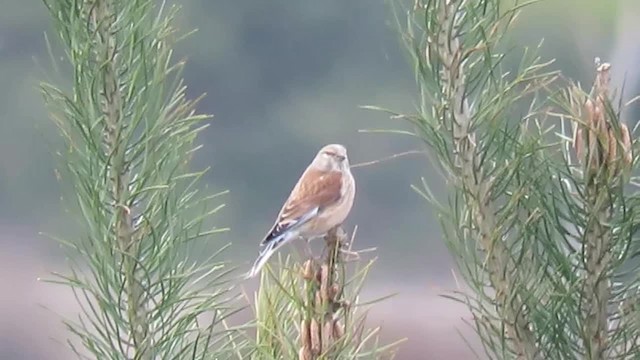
476	185
102	18
601	165
596	290
321	329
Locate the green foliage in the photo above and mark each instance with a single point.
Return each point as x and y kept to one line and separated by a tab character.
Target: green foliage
544	240
129	132
468	103
600	202
314	311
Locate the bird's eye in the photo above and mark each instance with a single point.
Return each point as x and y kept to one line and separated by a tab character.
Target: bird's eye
334	155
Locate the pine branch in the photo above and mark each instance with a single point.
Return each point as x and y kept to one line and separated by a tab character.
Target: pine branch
102	15
596	289
312	311
603	149
129	132
477	186
547	245
321	328
470	118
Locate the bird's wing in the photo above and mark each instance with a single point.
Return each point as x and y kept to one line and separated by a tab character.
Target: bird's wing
315	190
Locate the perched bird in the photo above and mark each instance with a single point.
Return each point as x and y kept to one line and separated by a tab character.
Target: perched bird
320	201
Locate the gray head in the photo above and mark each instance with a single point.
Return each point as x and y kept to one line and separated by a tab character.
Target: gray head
331	157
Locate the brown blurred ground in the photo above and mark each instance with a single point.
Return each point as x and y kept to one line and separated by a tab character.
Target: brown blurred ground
30	331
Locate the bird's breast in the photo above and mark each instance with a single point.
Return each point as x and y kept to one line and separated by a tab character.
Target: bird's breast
334	214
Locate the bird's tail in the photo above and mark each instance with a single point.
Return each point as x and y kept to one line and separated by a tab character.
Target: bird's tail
269	249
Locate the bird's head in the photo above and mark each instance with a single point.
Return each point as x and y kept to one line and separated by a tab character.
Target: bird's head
332	157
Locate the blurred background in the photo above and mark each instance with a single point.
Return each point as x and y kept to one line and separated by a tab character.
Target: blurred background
283	78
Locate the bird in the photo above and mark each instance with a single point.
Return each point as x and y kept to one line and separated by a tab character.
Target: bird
320	201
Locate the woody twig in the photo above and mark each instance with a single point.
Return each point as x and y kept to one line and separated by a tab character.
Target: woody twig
321	327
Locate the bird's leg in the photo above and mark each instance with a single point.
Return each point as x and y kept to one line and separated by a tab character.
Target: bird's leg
306	251
307	246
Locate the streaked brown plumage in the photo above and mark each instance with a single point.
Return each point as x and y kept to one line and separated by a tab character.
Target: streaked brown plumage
320	201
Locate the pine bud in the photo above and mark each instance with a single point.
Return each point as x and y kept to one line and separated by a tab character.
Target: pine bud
316	342
626	145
